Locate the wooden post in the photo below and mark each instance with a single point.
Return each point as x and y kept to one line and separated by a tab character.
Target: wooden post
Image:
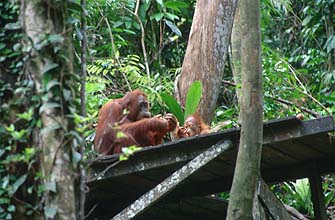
318	198
172	181
270	202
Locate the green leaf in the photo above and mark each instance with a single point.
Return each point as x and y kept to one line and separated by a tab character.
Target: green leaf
160	2
13	26
56	39
49	65
173	106
51	186
11	208
157	16
173	27
120	134
2	151
52	83
306	20
76	157
193	98
48	105
18	183
175	5
171	16
50	129
67	94
50	212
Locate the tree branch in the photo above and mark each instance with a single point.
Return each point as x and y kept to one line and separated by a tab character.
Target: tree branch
286	102
142	39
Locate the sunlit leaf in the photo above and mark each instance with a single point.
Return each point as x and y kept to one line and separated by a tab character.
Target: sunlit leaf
193	98
173	106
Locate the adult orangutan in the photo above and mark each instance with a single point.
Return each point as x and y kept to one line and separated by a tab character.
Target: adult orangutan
130	115
194	125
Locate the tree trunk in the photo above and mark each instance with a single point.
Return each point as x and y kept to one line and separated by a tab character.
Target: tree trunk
50	64
235	56
206	52
249	154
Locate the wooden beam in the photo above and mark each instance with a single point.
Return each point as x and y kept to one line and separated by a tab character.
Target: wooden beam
318	198
258	212
172	181
270	202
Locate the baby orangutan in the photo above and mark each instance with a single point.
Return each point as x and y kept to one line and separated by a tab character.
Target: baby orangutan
194	125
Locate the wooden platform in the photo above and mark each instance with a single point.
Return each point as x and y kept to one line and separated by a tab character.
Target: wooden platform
292	148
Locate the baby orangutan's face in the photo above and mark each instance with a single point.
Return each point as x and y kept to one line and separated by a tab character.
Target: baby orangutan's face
192	127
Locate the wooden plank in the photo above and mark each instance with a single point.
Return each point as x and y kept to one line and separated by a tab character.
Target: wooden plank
168	184
270	202
271	157
323	143
258	212
276	133
297	171
318	198
296	150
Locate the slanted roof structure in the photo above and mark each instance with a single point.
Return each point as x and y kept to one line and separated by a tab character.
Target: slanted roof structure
292	149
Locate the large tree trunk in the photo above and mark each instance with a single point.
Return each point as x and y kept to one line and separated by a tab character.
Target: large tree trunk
50	64
206	52
235	56
248	159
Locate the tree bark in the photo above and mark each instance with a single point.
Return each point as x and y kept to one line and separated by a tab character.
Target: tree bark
235	56
206	52
42	20
249	154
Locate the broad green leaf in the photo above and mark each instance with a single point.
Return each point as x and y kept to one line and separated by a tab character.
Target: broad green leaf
49	129
175	5
48	105
67	94
49	65
51	186
160	2
56	39
193	98
50	212
52	83
12	26
171	16
18	183
2	151
173	107
157	16
173	27
11	208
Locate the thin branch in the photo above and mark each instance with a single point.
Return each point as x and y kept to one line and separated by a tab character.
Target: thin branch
102	173
82	174
91	210
137	6
113	46
83	59
286	102
305	92
142	40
